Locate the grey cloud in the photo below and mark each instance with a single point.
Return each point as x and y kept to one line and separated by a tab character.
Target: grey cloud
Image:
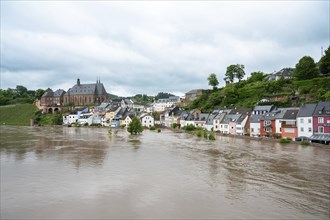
146	47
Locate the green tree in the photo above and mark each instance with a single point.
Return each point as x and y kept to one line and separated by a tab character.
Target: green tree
135	126
213	81
234	71
39	93
21	90
57	119
305	69
324	63
256	76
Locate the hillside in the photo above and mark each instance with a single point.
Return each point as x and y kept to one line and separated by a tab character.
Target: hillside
17	114
282	93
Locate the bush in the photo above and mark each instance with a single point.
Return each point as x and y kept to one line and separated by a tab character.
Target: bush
285	140
159	130
189	127
199	133
304	143
205	134
152	128
175	125
211	137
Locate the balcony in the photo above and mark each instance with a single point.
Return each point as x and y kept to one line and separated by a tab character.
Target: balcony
288	125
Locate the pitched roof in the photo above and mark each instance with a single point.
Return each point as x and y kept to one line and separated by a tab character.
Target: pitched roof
290	114
267	108
48	93
59	92
322	108
256	118
306	110
87	89
229	118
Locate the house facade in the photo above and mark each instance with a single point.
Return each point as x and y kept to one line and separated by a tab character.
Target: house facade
147	120
305	120
321	118
289	125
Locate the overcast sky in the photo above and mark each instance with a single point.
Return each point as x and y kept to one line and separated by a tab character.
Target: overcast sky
152	46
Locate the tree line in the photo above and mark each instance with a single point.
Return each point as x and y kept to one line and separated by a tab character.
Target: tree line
305	69
19	95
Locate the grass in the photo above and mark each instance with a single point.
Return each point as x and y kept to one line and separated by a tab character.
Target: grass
17	114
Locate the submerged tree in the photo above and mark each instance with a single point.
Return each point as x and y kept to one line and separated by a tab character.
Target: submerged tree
135	126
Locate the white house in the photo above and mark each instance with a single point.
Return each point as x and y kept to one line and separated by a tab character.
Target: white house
255	125
147	120
163	104
305	120
70	119
128	120
85	118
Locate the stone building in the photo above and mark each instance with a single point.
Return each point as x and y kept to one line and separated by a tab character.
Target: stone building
85	94
50	98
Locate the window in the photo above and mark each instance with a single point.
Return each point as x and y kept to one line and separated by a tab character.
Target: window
309	120
302	129
302	120
320	129
252	129
309	129
320	119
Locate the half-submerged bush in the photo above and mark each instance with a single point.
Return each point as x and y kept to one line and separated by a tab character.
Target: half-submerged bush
189	127
152	128
159	130
211	137
304	143
285	140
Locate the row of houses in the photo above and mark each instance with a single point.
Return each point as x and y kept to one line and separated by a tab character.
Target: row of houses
310	121
114	114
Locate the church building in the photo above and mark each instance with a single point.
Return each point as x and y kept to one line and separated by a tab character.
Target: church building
85	94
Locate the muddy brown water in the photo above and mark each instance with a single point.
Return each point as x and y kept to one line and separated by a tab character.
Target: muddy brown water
85	173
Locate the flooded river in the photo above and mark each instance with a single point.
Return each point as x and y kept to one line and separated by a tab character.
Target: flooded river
72	173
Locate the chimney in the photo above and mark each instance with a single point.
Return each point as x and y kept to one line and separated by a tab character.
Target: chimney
78	82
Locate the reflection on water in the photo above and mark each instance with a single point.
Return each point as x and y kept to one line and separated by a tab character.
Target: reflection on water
60	172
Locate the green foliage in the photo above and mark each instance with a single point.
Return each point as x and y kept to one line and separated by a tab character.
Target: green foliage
158	130
213	81
57	119
234	71
304	143
17	114
175	125
256	77
285	140
199	133
20	95
135	127
324	63
189	127
205	134
152	128
163	95
305	69
211	137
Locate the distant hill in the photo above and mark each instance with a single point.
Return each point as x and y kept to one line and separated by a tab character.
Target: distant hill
113	97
